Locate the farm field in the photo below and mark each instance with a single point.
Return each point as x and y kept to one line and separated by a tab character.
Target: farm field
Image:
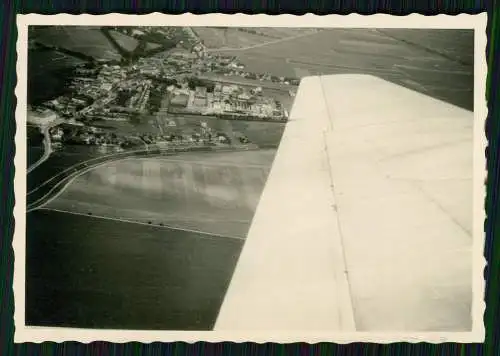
263	134
61	160
48	73
34	154
211	37
188	191
236	79
280	32
238	39
131	126
95	273
233	38
386	53
89	41
126	42
151	46
441	41
34	144
258	132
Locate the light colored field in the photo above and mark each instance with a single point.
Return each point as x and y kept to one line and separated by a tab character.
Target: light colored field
336	51
414	63
239	39
234	38
126	42
227	38
281	32
215	193
211	37
150	46
326	51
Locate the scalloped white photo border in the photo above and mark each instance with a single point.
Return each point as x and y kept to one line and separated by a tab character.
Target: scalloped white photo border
478	22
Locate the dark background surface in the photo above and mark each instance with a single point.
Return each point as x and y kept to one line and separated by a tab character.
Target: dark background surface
8	8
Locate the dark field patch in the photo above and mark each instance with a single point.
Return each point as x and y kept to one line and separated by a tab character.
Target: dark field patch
58	162
87	40
34	154
95	273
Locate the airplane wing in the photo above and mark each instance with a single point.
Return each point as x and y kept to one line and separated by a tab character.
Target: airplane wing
365	222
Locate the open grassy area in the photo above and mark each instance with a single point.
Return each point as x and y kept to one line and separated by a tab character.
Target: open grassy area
151	46
454	44
328	52
128	43
436	63
235	38
227	37
87	40
48	74
211	37
34	154
267	134
144	124
280	32
242	37
95	273
264	134
212	192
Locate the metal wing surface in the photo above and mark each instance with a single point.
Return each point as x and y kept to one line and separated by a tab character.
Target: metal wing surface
365	221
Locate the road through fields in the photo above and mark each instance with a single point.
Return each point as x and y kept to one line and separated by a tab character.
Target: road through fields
218	194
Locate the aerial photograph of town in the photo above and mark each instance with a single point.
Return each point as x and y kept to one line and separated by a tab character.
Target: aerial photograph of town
148	149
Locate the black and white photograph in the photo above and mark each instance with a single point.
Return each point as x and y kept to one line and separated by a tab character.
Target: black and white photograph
234	175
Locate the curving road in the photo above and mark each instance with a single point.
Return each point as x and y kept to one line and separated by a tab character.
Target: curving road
41	195
47	149
52	187
47	144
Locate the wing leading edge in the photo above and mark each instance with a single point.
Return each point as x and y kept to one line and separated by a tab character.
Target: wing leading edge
365	221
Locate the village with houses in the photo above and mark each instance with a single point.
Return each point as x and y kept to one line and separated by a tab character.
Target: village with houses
186	79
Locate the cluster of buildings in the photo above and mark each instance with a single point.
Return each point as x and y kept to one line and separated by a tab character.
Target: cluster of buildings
88	135
95	89
227	99
201	134
140	98
263	77
96	94
116	92
95	83
198	61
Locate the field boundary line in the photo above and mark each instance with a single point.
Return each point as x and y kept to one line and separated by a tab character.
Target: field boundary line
259	45
425	48
169	227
